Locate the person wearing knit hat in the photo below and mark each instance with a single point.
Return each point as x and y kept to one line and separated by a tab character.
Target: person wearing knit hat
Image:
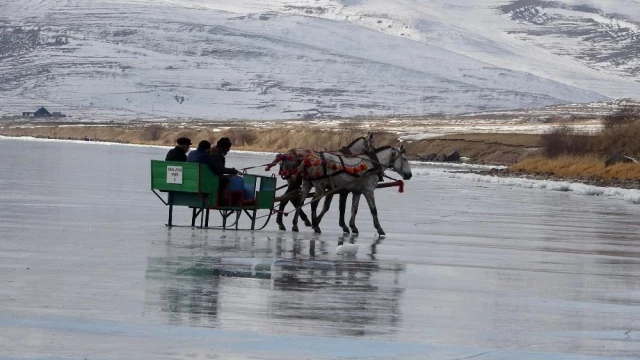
179	153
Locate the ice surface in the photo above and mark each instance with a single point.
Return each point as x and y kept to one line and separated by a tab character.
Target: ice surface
88	270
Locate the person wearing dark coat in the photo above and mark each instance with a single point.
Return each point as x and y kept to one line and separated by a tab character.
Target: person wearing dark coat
214	158
202	155
179	153
218	155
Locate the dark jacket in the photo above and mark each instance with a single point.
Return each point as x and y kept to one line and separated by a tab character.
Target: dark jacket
219	161
202	157
176	154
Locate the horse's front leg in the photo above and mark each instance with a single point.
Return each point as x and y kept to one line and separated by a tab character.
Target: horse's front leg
355	201
304	191
314	209
374	211
294	187
303	215
343	207
325	207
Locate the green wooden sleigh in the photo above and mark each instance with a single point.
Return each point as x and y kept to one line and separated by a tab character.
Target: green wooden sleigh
194	186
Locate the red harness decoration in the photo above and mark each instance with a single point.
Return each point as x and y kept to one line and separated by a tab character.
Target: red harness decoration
317	165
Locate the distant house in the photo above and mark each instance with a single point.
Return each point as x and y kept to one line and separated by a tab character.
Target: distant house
42	112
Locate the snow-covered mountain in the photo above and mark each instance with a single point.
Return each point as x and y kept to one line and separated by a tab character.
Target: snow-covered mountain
252	59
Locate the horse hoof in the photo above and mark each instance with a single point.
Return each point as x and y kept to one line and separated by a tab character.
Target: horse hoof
381	233
294	228
282	227
355	231
346	230
317	230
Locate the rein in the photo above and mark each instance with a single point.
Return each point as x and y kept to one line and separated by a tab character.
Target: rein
268	165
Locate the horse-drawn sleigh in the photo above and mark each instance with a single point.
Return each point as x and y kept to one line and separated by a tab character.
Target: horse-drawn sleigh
356	169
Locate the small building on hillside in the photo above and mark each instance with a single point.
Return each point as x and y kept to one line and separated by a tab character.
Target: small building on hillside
42	112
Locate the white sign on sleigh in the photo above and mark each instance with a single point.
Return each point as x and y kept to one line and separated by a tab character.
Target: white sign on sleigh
174	175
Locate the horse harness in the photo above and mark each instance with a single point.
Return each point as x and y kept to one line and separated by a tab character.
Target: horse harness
296	161
332	167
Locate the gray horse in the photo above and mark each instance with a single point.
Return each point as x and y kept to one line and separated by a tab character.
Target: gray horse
291	160
359	176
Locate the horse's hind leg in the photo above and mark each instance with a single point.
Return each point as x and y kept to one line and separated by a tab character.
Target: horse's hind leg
355	201
374	211
343	206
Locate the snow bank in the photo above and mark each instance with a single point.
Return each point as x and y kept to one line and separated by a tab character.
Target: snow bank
630	195
456	166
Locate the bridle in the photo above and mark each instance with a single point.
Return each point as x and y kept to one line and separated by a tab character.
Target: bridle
395	154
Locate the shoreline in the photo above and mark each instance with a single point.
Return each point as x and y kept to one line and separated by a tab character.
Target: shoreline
494	149
496	170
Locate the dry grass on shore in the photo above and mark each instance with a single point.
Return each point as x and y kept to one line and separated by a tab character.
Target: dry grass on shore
578	167
252	139
567	153
482	148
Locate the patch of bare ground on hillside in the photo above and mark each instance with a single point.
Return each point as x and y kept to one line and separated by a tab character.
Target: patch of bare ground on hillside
480	148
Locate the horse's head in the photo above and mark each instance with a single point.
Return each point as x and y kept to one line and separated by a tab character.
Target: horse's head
370	146
399	163
362	145
289	162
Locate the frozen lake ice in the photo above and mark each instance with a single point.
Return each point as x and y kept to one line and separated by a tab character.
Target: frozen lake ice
469	269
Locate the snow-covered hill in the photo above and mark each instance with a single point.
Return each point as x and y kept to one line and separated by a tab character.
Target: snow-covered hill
250	59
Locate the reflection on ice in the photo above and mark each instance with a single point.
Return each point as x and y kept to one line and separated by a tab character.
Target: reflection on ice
354	298
288	280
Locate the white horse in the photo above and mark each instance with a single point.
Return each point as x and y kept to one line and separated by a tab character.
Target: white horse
291	160
361	179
